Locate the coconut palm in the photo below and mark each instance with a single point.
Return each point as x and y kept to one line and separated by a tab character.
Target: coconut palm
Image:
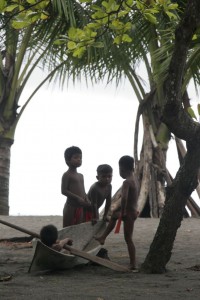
152	45
25	47
170	52
164	100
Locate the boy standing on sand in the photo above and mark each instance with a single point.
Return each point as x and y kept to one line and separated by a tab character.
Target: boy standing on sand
128	209
100	191
72	187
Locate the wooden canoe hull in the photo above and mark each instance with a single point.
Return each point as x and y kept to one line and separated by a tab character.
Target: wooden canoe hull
46	258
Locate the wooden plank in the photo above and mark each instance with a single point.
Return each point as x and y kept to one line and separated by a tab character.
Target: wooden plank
31	233
101	261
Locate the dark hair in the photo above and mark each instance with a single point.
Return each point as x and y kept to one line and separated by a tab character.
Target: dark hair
71	151
127	162
102	169
49	235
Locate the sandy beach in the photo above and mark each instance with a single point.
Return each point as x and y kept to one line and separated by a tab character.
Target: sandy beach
96	282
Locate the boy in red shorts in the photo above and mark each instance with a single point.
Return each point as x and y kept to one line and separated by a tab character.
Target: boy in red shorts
128	209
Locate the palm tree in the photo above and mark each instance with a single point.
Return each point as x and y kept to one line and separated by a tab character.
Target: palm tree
183	127
22	51
165	112
164	100
152	45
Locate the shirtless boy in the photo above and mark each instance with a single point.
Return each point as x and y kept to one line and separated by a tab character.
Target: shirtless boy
49	237
100	191
128	209
72	187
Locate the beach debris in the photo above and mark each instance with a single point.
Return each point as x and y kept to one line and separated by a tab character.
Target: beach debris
5	277
16	245
189	289
194	268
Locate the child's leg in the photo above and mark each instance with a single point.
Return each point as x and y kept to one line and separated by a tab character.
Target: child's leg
109	228
128	232
111	225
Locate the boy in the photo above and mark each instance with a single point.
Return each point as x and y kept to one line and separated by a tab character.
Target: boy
128	209
49	237
100	191
72	187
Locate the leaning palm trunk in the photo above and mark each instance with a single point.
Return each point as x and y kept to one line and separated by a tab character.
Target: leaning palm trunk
22	51
182	151
144	170
176	199
5	145
182	126
152	173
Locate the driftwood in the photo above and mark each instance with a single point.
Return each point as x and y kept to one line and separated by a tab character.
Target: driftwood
24	230
103	262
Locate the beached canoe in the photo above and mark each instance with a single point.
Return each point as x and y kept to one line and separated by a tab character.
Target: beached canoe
45	258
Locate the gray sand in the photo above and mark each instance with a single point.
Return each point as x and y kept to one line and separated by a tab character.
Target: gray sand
96	282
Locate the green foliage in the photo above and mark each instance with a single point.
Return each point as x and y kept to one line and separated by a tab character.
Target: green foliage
163	136
79	38
114	17
25	12
198	109
105	16
192	113
3	4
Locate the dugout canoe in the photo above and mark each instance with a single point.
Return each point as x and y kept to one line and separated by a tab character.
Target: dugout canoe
46	259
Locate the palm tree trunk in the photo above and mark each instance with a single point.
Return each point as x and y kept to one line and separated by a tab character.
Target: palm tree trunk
181	153
176	199
182	126
152	174
5	145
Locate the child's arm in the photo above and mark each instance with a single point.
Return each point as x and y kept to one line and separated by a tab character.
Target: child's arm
94	210
92	194
58	246
65	191
67	241
107	206
80	201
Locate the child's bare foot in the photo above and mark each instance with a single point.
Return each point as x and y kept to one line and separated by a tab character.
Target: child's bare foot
133	268
99	239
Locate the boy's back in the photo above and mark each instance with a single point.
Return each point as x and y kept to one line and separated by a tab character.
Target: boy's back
128	210
99	193
131	185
